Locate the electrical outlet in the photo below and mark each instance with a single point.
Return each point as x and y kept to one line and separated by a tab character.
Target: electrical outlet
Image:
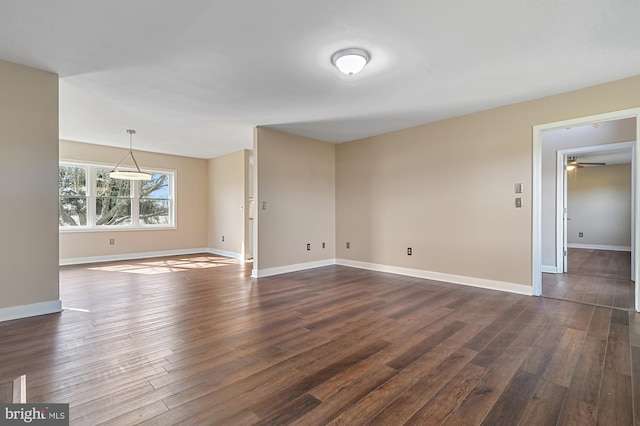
112	241
323	246
409	251
518	202
308	246
223	238
580	234
348	245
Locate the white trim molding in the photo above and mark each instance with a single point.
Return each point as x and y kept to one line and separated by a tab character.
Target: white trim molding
416	273
32	310
547	269
129	256
261	273
225	253
599	247
437	276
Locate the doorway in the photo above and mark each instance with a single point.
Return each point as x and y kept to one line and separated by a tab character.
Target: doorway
594	211
602	203
542	177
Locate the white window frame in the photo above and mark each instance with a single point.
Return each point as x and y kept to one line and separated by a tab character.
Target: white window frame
135	201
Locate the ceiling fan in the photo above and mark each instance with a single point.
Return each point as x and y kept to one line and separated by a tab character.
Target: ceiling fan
573	163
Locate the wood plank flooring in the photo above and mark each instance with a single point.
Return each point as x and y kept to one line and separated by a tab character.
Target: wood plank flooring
6	392
193	340
599	277
600	263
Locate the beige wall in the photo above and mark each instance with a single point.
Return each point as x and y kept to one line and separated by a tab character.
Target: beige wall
599	205
192	208
446	189
623	130
296	179
228	199
28	170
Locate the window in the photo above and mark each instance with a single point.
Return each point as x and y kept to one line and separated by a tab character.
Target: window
112	200
72	190
91	200
154	200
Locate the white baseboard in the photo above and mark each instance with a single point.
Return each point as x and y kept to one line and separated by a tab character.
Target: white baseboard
129	256
32	310
599	247
417	273
547	269
261	273
437	276
225	253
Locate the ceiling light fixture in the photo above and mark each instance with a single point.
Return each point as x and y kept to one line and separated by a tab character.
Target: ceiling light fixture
129	174
350	61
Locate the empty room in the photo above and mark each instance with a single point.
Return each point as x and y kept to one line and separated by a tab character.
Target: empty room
319	213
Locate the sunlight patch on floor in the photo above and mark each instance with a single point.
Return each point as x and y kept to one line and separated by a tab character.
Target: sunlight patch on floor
153	267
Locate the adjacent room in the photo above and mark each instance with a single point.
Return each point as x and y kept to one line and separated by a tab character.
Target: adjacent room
588	204
320	212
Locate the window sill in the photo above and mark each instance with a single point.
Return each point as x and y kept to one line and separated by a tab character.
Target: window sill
116	229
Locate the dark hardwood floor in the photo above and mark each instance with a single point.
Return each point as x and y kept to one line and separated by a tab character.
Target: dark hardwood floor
193	340
599	263
600	277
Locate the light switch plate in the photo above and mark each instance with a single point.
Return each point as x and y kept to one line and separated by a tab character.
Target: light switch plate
519	188
518	202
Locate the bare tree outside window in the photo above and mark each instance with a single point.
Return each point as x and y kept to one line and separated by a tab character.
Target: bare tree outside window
72	192
113	199
154	200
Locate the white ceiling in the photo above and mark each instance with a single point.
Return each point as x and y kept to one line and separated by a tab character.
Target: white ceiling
591	140
610	157
194	77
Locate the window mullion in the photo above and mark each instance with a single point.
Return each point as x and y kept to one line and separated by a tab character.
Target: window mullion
91	196
135	203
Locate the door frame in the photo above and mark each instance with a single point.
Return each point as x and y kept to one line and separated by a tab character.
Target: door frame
561	198
536	237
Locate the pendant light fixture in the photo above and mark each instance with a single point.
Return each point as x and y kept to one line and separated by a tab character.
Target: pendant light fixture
129	174
350	61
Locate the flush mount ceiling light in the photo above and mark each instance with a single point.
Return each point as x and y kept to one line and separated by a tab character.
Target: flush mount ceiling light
129	174
350	61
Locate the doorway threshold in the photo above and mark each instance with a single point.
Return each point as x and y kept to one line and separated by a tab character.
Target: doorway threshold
589	303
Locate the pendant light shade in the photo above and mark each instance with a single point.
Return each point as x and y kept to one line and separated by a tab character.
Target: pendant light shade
136	174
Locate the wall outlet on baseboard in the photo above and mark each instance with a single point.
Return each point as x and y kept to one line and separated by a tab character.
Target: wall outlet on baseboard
323	245
409	251
112	241
308	246
223	238
580	234
348	245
